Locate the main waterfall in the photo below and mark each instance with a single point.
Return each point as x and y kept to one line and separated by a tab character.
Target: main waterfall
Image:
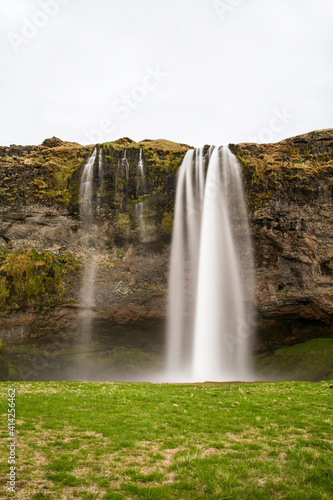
211	278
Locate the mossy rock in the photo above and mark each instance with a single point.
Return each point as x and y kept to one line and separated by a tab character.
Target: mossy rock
29	279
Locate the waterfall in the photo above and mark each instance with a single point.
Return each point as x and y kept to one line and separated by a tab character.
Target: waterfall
122	178
211	272
87	291
184	260
100	166
140	219
100	179
87	298
141	187
122	173
86	194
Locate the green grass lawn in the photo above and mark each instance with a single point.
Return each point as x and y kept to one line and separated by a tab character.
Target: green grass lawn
131	441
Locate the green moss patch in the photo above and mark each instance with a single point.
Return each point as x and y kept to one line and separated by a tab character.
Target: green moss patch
311	360
29	278
39	174
293	168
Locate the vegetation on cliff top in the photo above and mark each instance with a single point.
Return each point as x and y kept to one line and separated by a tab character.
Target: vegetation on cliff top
49	174
39	174
286	168
162	145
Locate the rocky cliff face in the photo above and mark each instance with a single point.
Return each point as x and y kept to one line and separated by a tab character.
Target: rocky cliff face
289	186
289	189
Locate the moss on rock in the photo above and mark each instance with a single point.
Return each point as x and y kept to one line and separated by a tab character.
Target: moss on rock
40	174
30	279
292	169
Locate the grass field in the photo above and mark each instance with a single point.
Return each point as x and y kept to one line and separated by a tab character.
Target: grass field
130	441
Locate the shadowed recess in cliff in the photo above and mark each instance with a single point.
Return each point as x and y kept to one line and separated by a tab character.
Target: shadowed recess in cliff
211	272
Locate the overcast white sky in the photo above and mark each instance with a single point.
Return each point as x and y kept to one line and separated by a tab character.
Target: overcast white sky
192	71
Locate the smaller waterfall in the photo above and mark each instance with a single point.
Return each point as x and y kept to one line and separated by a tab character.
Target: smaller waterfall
87	298
87	292
122	178
141	187
100	179
140	219
100	166
86	194
122	173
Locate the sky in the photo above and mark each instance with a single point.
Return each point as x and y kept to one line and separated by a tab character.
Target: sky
191	71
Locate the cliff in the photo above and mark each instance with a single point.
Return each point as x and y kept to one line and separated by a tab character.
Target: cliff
289	190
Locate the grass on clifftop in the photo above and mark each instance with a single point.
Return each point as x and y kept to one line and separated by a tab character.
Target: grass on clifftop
131	441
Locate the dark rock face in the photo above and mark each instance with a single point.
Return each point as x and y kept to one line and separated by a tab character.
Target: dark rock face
289	189
289	186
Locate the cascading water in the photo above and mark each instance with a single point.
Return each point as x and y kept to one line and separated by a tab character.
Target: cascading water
140	220
184	261
122	173
87	292
100	166
122	178
86	195
211	272
141	189
100	178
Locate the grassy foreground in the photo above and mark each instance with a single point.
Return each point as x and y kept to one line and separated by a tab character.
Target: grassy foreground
129	441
